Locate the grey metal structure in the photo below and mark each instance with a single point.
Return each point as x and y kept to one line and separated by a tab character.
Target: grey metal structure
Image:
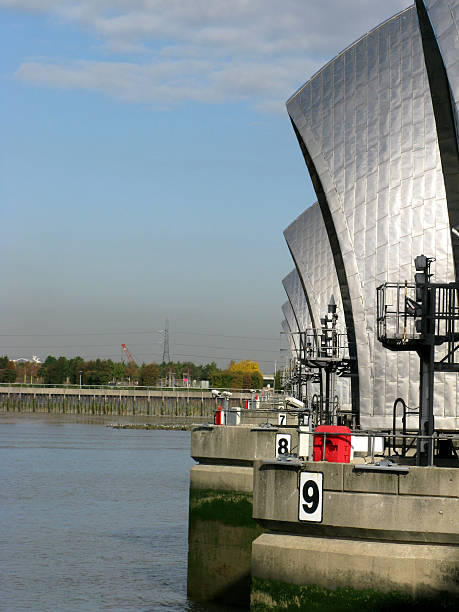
444	19
289	338
378	149
297	298
300	303
423	316
439	22
293	329
307	240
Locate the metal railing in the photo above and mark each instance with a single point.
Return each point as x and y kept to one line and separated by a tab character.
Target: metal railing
76	387
398	312
393	319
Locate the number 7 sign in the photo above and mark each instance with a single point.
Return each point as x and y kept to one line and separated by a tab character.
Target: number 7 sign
310	497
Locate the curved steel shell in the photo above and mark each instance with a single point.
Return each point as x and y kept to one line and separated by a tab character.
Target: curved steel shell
314	280
366	127
292	327
444	19
307	240
291	346
438	22
297	298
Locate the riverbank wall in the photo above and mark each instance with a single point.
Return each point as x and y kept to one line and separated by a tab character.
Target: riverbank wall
113	402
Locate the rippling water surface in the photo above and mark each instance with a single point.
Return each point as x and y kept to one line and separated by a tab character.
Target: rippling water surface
93	518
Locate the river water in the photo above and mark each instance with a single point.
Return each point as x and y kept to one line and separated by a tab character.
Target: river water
93	518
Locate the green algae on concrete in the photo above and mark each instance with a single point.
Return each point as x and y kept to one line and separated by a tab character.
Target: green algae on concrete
277	595
227	507
221	532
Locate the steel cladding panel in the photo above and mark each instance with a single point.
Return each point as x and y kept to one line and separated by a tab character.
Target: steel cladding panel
297	298
366	120
289	315
308	242
291	346
315	276
444	17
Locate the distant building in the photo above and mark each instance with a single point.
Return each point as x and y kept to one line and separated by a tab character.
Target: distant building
268	380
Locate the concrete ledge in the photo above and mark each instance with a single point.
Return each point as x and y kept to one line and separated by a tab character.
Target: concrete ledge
430	481
358	511
370	481
423	519
222	478
236	444
333	563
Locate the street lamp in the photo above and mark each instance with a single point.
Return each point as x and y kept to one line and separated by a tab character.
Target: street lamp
81	372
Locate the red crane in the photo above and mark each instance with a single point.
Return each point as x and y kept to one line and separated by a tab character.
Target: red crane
128	354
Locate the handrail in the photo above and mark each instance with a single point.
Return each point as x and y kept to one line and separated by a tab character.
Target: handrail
406	412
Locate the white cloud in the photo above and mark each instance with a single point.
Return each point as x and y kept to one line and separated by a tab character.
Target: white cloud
256	50
263	85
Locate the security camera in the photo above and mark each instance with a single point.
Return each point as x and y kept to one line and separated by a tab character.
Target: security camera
227	394
294	403
215	393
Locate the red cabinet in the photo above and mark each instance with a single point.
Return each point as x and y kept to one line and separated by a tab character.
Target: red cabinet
337	445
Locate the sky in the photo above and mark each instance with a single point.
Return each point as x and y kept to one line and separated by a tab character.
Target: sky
148	168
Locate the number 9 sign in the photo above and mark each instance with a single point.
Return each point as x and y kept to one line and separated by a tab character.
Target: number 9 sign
310	497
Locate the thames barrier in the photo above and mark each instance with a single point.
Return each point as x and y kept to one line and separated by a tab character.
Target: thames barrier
345	495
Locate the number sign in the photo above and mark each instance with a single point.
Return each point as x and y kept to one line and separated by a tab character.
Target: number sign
282	418
311	495
303	419
283	444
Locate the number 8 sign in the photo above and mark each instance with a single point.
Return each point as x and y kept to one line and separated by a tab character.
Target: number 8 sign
310	496
283	444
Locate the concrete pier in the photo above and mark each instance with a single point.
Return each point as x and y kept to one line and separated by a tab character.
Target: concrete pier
382	536
378	539
221	526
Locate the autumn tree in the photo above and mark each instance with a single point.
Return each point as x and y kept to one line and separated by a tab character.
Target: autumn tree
148	375
132	371
221	379
98	372
237	380
26	371
7	370
244	366
245	374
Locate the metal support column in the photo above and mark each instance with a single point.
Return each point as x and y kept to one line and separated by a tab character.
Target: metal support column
426	418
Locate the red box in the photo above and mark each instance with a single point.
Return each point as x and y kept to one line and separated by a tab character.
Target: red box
337	447
219	416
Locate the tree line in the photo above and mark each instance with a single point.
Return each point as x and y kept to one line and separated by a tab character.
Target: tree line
60	370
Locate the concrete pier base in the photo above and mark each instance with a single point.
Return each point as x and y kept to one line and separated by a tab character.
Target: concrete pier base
221	524
221	531
384	540
377	539
418	571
